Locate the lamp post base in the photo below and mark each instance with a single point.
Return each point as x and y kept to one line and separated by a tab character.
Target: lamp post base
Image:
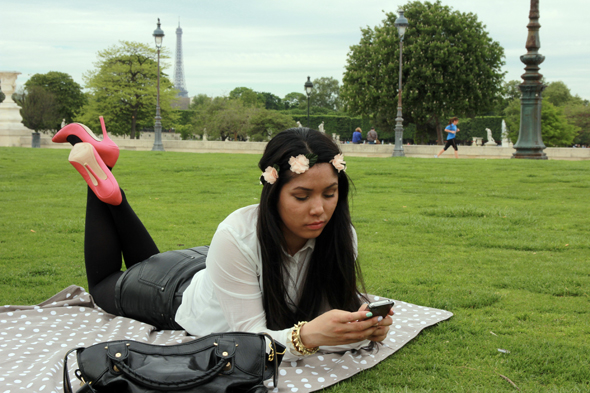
398	150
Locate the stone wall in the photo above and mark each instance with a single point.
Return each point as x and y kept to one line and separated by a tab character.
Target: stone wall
424	151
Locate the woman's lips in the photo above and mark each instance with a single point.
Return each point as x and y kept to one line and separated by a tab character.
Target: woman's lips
315	225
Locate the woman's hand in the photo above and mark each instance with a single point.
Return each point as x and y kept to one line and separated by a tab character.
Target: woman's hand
337	327
383	326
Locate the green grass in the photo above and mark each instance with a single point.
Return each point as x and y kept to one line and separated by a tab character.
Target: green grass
503	244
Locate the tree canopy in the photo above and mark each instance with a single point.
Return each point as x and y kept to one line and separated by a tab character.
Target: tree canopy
123	89
39	109
234	118
450	67
326	93
67	93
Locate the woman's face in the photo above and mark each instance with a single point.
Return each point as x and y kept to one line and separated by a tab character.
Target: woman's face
306	204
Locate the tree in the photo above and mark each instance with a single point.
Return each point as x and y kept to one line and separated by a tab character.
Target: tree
265	124
123	89
579	115
68	94
559	94
2	96
294	100
556	130
450	67
249	97
271	101
39	109
326	93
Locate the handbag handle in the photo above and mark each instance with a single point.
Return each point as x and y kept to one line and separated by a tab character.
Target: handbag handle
224	350
175	385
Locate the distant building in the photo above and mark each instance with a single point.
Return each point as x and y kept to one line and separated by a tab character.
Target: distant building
183	101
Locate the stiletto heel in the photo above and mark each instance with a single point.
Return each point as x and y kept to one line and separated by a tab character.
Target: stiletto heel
99	178
106	148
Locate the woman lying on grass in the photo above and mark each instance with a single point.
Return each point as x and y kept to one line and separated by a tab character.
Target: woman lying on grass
290	258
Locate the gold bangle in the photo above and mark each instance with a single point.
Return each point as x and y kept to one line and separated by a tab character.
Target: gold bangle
296	340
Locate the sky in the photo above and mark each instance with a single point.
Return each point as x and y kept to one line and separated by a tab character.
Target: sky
267	45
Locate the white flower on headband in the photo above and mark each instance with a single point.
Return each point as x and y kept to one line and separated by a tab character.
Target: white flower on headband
339	162
299	164
270	175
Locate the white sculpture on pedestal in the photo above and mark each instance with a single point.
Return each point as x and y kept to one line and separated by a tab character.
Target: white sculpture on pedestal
11	126
321	128
506	142
491	141
299	124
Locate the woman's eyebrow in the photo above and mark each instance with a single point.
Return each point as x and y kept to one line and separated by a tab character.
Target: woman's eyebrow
335	184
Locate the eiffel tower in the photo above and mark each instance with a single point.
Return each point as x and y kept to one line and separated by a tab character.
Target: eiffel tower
179	83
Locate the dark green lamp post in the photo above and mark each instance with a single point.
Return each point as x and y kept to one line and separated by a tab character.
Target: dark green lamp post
158	36
308	88
398	151
530	142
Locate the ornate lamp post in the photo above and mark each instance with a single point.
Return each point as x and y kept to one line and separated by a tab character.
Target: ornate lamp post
158	35
308	88
530	142
398	151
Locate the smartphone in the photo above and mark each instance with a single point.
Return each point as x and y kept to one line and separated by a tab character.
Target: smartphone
381	308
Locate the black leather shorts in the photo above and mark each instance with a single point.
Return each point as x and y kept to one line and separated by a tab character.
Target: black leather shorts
151	291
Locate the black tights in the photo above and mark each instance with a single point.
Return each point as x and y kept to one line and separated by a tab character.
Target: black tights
109	232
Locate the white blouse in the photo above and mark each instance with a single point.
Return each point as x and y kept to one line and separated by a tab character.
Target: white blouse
227	295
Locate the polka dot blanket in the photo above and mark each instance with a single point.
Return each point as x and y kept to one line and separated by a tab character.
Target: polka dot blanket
34	340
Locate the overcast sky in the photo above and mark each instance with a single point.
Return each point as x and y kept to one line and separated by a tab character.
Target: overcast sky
267	45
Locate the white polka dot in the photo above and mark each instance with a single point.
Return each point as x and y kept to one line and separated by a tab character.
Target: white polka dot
321	379
293	364
294	389
333	376
299	371
283	372
320	358
307	385
304	380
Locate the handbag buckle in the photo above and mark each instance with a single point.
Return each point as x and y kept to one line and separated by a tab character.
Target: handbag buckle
271	355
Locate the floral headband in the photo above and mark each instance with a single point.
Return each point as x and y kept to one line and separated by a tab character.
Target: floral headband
299	165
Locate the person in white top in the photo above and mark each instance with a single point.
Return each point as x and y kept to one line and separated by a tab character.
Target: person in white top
270	267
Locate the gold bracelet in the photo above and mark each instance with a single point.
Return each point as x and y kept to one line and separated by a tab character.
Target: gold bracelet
296	340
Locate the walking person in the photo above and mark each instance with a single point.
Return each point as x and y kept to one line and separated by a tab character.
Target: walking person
271	267
452	130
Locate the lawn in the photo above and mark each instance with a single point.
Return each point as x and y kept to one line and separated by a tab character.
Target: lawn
503	244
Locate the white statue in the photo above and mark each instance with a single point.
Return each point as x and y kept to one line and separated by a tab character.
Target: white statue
491	141
321	128
506	142
299	124
63	123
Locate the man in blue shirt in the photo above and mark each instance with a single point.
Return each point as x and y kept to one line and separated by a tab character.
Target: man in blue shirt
357	135
452	130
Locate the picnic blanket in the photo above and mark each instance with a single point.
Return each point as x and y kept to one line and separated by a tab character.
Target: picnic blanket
34	340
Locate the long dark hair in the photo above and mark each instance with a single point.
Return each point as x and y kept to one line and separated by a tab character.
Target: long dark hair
333	272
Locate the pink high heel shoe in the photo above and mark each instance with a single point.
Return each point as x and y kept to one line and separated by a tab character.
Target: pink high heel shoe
88	162
107	149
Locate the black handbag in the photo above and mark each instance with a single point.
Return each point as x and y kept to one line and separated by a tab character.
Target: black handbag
220	362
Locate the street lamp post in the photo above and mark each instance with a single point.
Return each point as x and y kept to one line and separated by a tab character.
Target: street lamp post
530	142
398	151
308	88
158	35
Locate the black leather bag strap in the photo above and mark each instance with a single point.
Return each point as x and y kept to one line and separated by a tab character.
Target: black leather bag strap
66	378
275	356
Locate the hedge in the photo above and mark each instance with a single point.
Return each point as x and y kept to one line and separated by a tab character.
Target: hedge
334	124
